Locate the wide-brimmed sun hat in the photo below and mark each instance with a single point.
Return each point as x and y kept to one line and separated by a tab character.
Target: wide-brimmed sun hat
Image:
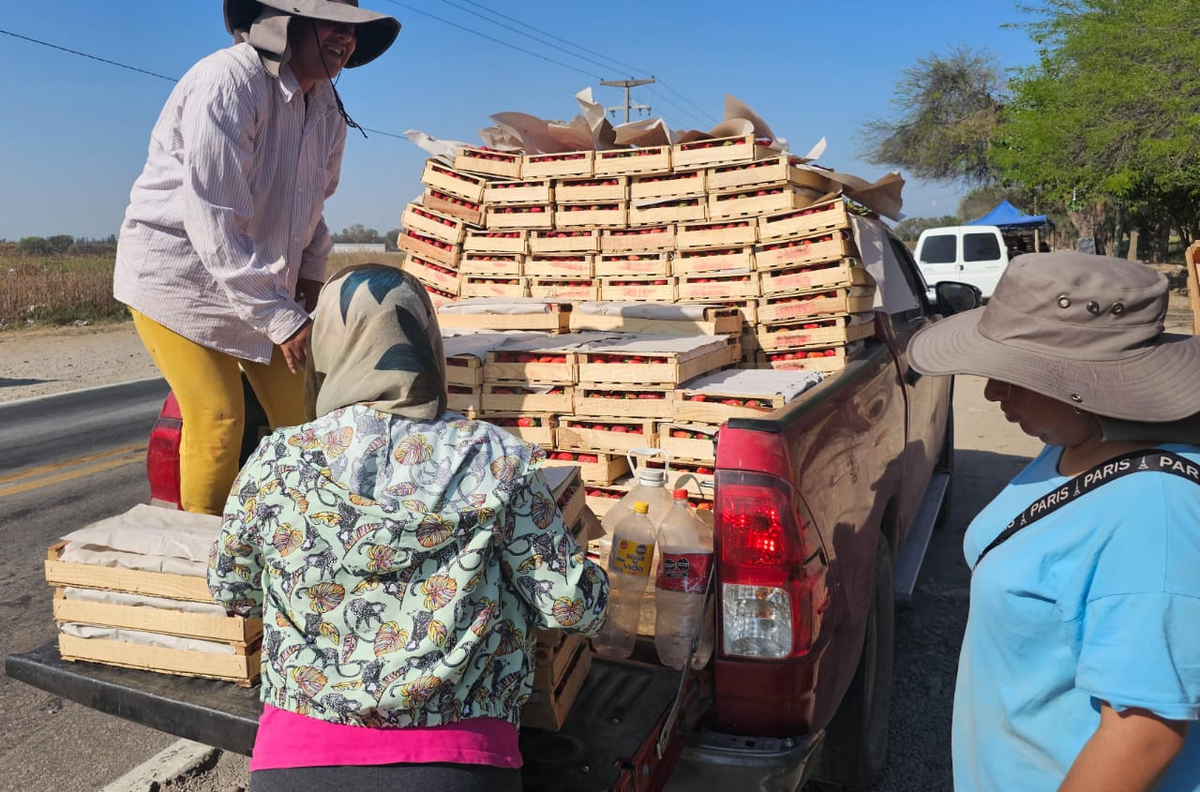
1085	330
374	32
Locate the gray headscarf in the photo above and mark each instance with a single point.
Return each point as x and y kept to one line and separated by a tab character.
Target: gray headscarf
376	342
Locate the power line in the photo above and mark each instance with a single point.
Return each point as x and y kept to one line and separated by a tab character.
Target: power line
85	55
141	71
496	40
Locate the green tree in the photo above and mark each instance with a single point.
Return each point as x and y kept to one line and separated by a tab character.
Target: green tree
357	233
948	108
910	228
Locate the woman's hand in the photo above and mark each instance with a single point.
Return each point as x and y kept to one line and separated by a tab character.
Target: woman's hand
295	349
1128	753
308	290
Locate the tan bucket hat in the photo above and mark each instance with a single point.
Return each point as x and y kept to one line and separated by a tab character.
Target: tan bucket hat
375	32
1082	329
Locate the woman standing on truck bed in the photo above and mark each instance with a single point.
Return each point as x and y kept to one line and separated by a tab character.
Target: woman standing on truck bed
223	247
1080	667
401	556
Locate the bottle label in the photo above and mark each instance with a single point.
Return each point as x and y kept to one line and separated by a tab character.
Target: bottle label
685	572
632	558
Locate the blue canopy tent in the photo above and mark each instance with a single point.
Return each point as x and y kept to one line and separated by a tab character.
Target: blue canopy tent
1014	224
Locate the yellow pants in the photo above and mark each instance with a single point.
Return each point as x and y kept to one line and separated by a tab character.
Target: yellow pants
208	386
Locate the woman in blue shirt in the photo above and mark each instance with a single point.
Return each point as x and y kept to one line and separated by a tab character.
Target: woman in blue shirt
1080	666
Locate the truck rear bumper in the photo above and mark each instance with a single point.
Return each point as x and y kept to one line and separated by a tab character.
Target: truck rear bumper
714	761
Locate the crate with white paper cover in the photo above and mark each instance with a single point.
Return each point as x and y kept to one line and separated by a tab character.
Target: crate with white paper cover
488	161
550	316
718	151
670	360
659	320
563	164
646	239
737	393
809	277
632	161
516	193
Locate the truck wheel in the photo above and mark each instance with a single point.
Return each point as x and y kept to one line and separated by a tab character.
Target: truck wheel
945	464
855	752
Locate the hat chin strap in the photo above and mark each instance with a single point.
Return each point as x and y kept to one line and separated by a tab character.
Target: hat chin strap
350	122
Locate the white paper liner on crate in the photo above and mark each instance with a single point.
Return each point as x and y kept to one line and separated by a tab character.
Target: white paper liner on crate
141	601
141	638
692	312
151	531
514	306
756	382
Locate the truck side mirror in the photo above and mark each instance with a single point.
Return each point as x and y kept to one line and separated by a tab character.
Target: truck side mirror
954	297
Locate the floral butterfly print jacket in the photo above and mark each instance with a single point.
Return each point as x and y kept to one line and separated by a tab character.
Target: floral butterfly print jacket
401	568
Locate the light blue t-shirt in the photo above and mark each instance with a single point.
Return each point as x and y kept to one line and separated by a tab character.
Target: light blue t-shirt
1097	601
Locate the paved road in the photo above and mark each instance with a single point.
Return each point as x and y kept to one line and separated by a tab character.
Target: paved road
64	461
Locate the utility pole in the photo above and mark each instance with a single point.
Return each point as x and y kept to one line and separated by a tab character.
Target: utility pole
627	84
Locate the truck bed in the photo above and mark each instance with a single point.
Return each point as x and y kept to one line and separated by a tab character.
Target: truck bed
617	715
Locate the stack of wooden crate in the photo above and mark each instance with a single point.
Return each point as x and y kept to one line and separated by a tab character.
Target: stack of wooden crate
725	222
148	610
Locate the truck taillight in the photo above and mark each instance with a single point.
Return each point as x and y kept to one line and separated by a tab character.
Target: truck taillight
766	612
162	456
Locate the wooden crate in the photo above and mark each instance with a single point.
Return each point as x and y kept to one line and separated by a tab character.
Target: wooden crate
510	193
493	286
632	161
543	367
577	289
633	366
693	442
718	151
527	217
550	317
831	331
809	277
566	485
432	274
714	260
638	240
574	266
713	407
612	401
552	656
558	165
429	248
681	184
464	370
224	629
638	288
714	321
670	210
242	668
809	221
452	206
510	397
438	297
696	478
601	499
548	709
445	179
608	215
710	286
500	265
432	224
779	169
609	436
464	399
536	428
488	161
832	246
616	265
828	359
831	302
716	233
131	581
492	241
569	240
593	190
594	467
758	201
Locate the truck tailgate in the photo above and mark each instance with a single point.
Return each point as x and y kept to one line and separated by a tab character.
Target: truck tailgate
617	714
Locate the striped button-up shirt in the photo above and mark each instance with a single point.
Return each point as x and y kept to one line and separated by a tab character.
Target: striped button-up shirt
226	214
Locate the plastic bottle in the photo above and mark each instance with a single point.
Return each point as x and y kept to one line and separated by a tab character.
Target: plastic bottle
650	487
629	565
686	546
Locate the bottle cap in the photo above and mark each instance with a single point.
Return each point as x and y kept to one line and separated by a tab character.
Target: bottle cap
652	477
680	494
641	507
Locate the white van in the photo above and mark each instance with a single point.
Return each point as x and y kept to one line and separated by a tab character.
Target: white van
968	254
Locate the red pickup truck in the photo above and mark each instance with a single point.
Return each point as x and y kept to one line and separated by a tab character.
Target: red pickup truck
823	510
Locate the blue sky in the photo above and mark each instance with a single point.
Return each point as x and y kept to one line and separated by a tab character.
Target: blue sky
75	131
